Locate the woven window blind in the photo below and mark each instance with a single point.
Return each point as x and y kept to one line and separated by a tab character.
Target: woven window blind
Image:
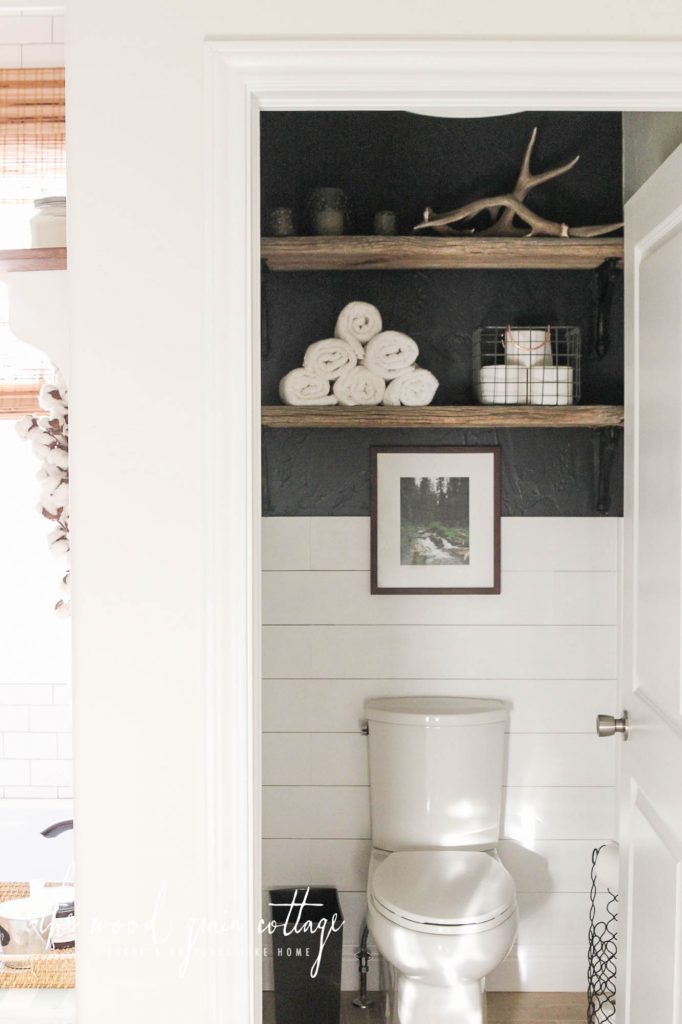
23	369
32	133
32	164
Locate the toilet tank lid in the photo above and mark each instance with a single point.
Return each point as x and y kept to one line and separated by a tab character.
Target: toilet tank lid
435	711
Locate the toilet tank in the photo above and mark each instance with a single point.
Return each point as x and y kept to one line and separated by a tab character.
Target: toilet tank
436	769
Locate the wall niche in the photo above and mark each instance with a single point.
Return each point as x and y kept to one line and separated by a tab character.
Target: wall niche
403	162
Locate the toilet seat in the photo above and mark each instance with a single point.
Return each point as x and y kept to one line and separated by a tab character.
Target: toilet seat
443	890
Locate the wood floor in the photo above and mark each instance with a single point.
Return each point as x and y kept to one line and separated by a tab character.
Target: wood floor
537	1008
503	1008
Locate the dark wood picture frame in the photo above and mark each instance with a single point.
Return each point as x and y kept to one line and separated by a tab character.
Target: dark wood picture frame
375	452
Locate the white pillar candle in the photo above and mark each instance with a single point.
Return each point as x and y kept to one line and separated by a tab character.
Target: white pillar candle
503	385
551	385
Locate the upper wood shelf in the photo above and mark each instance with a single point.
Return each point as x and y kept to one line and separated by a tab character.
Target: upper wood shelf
418	252
402	252
32	259
442	416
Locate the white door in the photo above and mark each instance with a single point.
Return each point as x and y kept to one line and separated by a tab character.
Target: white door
650	925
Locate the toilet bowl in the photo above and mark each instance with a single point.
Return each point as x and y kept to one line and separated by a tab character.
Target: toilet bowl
443	919
440	906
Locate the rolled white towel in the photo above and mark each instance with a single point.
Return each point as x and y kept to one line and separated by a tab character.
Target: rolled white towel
331	357
358	321
300	387
390	353
359	386
416	387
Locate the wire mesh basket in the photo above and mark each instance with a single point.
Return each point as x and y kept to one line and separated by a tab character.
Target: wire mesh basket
601	957
526	365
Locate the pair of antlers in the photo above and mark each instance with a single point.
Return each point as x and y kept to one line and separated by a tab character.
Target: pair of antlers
513	206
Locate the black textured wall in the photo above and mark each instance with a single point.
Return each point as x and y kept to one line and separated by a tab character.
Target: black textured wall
404	162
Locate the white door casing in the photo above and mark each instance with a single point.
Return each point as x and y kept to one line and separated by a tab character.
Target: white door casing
242	78
650	952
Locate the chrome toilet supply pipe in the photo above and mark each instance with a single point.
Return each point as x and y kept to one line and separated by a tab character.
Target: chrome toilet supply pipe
363	957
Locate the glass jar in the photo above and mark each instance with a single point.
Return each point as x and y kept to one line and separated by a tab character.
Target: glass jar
48	223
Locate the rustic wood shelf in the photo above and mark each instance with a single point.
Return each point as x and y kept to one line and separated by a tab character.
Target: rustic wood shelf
418	252
442	416
32	259
16	400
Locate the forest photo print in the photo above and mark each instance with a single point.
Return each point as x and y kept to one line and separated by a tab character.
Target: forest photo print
434	520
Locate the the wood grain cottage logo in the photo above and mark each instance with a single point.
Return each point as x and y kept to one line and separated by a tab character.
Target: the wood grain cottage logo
296	923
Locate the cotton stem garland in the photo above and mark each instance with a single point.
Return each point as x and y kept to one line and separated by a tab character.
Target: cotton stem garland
49	436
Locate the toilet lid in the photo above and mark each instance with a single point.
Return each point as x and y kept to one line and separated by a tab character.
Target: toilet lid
443	887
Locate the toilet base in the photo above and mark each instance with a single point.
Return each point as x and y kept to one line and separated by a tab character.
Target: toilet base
417	1003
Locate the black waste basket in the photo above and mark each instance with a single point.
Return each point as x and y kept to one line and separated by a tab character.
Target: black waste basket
306	949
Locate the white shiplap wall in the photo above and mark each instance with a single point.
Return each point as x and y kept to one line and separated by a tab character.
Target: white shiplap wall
546	645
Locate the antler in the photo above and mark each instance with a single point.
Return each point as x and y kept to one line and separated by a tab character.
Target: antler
524	183
513	206
538	225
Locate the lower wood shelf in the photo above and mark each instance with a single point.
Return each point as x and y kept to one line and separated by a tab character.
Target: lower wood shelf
32	259
442	416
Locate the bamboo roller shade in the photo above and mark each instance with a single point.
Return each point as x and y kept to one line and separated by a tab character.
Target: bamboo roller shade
23	370
32	124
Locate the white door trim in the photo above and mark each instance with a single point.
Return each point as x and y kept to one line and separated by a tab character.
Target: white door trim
244	77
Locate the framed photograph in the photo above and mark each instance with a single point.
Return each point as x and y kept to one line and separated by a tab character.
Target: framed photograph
435	520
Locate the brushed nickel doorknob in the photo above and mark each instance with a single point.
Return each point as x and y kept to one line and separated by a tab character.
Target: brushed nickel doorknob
607	725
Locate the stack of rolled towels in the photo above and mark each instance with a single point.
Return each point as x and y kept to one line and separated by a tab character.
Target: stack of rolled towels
361	365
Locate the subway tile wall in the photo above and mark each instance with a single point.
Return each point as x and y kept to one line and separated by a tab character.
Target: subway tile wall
32	38
35	742
547	646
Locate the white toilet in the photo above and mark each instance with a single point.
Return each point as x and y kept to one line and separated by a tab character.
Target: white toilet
441	907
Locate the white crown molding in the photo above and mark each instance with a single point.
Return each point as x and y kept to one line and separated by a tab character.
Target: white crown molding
362	75
243	77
